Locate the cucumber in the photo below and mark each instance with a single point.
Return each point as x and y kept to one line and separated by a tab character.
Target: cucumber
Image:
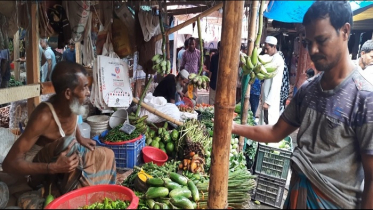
167	180
178	178
155	182
192	187
180	192
150	203
172	185
165	126
164	206
156	192
156	206
182	202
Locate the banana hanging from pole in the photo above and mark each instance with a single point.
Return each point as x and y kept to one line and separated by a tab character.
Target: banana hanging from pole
258	66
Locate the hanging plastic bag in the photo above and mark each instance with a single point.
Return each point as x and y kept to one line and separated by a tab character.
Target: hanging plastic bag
121	41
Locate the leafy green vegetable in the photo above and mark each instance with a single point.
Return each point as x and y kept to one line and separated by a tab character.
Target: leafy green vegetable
116	135
107	203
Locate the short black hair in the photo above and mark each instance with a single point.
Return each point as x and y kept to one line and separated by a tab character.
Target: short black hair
65	75
367	46
191	39
339	13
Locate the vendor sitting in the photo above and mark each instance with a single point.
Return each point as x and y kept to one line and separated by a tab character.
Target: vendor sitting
52	148
171	86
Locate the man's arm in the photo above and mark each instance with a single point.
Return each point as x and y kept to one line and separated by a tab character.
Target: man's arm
264	133
15	163
367	161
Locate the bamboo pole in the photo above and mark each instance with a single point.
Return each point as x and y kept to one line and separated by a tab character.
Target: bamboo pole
225	103
250	46
33	58
16	56
188	22
158	113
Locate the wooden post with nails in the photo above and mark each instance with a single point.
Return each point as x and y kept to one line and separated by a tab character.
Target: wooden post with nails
225	103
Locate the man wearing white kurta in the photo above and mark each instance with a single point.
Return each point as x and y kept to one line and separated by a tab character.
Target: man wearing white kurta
271	88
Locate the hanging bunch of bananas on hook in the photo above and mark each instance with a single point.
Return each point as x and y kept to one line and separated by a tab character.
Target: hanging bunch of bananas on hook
161	65
160	62
258	66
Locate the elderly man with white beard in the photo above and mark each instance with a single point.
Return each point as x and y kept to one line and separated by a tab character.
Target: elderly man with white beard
52	148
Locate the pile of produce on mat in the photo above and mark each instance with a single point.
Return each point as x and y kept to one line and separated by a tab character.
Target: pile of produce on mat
185	108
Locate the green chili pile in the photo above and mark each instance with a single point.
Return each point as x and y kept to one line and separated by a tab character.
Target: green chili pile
116	135
107	203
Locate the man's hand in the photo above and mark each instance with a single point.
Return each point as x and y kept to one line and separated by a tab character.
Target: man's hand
87	143
65	164
265	106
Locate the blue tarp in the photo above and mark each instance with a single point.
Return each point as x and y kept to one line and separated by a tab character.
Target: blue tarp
293	11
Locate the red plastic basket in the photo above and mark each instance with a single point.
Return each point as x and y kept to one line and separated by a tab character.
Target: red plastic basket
123	142
89	195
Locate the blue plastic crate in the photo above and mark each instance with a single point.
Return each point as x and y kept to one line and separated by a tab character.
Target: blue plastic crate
126	155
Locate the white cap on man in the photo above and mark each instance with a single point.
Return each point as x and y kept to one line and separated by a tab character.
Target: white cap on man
184	73
271	40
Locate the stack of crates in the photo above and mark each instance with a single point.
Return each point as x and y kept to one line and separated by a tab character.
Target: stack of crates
272	168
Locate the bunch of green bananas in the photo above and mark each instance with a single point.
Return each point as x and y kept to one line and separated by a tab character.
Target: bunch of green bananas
161	65
258	66
139	122
199	81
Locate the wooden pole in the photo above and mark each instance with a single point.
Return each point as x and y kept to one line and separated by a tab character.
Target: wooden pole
16	55
188	22
78	52
166	20
225	103
250	46
33	57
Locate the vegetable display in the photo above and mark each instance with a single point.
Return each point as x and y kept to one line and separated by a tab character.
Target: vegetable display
163	139
107	203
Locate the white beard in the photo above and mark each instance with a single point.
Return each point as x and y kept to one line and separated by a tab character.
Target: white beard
77	108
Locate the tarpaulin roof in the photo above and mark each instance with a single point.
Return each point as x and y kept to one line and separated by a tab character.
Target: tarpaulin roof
293	11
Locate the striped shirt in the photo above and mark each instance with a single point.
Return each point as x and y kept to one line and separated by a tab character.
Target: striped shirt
191	61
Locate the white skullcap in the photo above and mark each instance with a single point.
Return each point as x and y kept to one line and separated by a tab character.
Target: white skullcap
184	73
271	40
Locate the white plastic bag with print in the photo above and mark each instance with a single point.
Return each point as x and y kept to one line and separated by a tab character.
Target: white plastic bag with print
114	76
160	104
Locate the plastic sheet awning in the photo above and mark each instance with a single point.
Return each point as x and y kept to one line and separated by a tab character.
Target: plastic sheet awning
293	11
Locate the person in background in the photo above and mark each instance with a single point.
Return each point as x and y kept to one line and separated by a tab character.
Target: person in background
255	96
4	68
167	88
366	59
271	88
285	86
69	54
213	75
51	60
332	164
191	61
52	145
180	54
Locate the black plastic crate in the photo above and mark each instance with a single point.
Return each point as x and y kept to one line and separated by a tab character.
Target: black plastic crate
272	161
269	190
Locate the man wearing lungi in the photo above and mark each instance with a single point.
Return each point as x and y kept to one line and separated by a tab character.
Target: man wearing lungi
52	148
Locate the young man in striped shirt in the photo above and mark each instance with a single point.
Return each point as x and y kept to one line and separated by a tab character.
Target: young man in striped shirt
191	60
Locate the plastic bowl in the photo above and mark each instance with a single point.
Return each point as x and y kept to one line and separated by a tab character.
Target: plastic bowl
89	195
118	118
155	155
